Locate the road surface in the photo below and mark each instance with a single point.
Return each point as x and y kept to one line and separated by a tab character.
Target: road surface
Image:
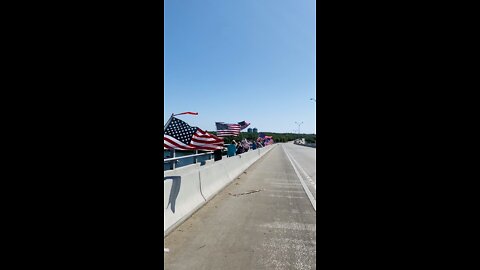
265	219
304	158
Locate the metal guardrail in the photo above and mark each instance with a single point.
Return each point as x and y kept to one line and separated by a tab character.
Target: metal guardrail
173	160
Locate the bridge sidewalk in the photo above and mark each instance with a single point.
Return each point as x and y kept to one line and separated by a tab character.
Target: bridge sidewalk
263	220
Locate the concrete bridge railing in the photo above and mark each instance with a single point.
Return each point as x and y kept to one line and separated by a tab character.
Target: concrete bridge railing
188	188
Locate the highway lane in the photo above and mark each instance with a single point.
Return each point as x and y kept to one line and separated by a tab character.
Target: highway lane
263	220
304	159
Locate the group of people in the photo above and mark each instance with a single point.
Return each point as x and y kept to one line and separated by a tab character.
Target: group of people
245	145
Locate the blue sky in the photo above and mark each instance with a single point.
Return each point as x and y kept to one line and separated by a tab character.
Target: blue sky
231	60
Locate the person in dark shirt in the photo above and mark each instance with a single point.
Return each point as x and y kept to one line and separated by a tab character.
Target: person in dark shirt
217	154
240	148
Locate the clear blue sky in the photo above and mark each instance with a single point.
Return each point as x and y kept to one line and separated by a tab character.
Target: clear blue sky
235	60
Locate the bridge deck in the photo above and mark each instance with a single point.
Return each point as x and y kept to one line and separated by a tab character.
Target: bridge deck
263	220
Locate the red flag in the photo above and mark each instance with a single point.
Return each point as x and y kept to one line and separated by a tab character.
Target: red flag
193	113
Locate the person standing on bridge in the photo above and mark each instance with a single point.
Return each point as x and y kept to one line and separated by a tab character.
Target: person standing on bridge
246	145
259	142
240	148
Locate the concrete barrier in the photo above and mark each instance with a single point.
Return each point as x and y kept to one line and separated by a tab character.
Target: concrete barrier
233	166
181	189
213	178
188	188
313	145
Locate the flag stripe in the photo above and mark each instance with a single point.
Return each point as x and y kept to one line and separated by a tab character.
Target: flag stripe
211	140
208	146
229	132
226	135
179	135
203	134
173	143
196	143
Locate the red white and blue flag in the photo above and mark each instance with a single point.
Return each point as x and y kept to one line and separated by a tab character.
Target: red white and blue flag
224	129
179	135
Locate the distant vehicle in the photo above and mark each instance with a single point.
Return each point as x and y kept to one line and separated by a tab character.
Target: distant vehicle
299	141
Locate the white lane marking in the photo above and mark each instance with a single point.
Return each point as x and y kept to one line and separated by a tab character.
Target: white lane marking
287	190
284	196
290	226
305	173
309	194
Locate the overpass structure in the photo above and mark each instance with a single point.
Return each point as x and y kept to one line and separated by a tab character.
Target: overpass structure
256	210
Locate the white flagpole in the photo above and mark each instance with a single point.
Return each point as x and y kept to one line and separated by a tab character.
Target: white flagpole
171	150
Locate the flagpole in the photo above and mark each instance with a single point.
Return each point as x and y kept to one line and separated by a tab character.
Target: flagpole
168	122
172	151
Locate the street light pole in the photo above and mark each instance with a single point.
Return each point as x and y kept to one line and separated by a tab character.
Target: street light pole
298	126
315	100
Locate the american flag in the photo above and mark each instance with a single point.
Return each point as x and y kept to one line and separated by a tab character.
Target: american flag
224	129
179	135
243	125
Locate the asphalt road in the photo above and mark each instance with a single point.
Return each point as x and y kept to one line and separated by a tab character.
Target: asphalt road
265	219
305	159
